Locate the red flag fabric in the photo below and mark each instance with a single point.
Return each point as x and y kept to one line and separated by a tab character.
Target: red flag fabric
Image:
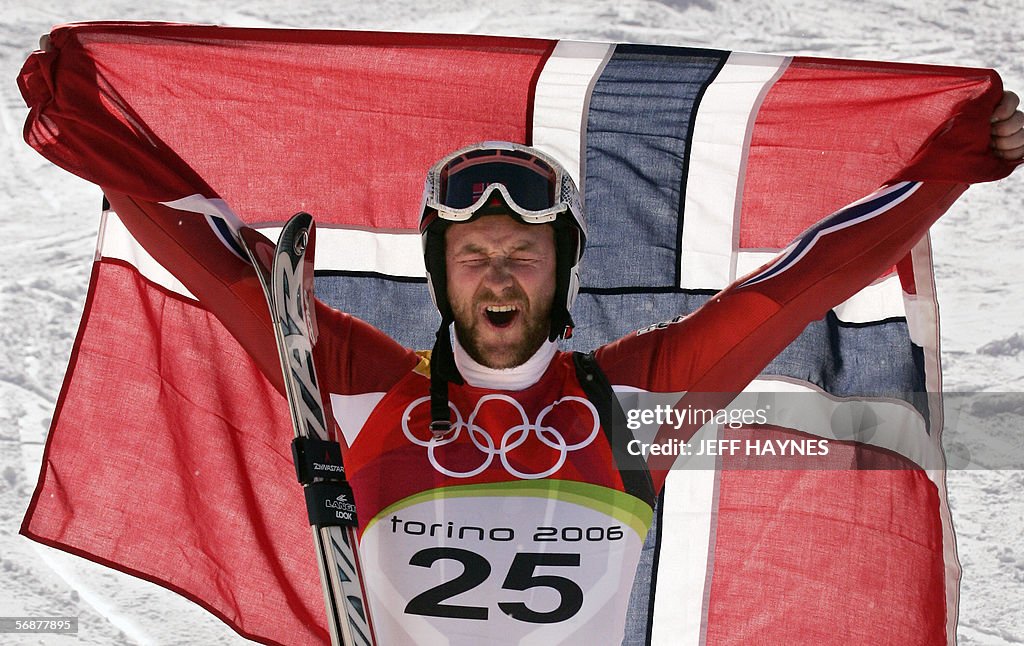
168	456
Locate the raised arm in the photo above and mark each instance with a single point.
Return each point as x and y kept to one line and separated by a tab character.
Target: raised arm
716	351
351	355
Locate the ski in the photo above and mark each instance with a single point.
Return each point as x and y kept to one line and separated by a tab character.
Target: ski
286	275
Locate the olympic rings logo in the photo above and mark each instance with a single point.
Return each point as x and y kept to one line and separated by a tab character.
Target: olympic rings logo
513	438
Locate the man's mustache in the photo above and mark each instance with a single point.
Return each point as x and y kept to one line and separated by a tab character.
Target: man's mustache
512	296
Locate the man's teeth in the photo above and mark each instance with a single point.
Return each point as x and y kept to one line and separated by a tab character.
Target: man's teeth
501	308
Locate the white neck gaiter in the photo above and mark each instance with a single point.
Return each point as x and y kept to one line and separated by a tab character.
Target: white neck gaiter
520	377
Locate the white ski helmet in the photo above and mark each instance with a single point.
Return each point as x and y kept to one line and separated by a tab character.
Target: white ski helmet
515	180
497	177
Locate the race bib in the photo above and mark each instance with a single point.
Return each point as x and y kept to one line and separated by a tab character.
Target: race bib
546	562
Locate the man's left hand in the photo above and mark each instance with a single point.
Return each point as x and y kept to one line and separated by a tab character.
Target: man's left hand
1008	128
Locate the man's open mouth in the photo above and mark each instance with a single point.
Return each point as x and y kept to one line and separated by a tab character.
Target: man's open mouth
501	315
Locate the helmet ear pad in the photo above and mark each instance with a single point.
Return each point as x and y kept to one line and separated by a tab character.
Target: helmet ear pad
437	274
567	250
442	362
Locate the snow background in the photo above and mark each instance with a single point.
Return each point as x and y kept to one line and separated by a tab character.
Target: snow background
49	220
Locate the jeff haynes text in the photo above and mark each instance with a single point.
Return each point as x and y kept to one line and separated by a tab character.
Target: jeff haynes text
755	448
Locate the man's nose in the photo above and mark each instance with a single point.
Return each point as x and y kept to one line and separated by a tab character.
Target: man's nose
498	271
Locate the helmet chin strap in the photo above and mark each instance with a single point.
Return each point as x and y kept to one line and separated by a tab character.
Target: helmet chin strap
442	372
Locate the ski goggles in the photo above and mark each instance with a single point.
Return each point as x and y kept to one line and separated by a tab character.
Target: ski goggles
533	186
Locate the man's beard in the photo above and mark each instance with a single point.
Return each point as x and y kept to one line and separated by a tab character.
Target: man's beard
535	329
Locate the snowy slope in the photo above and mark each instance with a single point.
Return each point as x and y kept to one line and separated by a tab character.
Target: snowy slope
49	221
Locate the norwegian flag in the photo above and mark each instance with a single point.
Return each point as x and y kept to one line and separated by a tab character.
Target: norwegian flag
170	443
